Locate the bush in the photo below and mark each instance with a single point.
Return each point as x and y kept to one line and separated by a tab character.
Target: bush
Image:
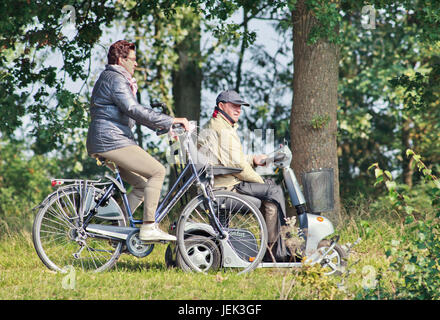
415	255
24	183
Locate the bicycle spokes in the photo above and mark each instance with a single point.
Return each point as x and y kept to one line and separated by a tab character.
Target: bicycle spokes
61	241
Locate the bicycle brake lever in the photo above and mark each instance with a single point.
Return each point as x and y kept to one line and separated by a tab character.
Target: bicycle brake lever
158	105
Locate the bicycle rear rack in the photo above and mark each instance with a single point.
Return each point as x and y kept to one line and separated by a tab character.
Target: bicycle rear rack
58	182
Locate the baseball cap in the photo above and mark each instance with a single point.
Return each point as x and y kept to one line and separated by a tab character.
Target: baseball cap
230	96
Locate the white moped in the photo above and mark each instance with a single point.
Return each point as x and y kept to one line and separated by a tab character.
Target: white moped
314	229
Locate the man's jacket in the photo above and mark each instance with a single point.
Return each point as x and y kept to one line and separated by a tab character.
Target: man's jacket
114	110
219	142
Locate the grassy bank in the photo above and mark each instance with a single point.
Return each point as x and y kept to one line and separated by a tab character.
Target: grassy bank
23	276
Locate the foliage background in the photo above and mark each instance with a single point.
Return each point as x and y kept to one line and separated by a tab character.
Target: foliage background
388	92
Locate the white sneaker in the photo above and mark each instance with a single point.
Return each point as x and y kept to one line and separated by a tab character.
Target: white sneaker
151	232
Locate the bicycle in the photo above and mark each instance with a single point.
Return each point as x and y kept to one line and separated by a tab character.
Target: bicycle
82	225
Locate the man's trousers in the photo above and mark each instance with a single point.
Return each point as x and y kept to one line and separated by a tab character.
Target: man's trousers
273	208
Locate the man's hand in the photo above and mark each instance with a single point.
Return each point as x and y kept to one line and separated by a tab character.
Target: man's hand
259	159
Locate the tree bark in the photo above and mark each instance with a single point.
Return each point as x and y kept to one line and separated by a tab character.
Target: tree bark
187	79
313	121
242	50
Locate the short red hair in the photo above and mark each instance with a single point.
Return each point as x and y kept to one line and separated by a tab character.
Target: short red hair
119	49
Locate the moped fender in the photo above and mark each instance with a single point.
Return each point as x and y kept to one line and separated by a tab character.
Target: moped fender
319	228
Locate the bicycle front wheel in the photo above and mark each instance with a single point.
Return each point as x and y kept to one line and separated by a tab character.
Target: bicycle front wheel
242	223
60	240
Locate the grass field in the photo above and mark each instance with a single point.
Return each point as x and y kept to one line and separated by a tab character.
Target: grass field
23	276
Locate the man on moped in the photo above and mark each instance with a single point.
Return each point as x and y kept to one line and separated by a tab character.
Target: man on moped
220	143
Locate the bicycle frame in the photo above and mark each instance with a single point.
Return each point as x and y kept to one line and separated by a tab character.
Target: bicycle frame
164	206
167	203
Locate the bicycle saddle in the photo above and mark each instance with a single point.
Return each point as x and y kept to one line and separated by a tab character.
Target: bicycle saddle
100	161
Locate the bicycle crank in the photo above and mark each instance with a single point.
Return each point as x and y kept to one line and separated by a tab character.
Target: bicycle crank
136	246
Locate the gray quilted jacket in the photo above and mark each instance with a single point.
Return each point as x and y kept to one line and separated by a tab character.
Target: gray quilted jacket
114	110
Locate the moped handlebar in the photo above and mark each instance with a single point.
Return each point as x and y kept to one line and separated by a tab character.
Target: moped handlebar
277	158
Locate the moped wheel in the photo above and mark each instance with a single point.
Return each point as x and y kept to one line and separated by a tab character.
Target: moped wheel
334	262
203	252
62	243
243	224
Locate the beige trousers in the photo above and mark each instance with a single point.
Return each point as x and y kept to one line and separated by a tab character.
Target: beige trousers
144	173
270	213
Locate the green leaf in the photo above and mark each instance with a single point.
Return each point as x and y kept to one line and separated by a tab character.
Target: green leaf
391	185
409	219
378	181
388	174
409	209
378	172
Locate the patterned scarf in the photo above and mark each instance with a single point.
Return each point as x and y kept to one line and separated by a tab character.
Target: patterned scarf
131	80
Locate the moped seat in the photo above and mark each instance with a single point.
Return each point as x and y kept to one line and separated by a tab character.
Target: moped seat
220	170
232	203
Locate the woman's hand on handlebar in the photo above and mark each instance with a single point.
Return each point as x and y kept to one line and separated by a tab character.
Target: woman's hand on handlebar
182	121
177	126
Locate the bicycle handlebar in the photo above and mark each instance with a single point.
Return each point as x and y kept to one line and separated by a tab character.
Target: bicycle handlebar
178	129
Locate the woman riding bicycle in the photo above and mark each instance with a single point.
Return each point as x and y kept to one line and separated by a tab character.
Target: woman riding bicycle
114	110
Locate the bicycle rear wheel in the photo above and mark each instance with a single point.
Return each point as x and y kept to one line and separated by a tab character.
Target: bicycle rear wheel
246	233
60	240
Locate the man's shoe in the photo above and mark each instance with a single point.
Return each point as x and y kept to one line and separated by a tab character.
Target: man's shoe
151	232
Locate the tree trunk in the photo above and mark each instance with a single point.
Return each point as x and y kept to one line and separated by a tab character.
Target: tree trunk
242	50
187	79
313	122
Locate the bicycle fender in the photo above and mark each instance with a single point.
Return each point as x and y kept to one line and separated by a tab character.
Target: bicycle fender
116	182
43	203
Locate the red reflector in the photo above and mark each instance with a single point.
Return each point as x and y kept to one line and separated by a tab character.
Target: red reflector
55	182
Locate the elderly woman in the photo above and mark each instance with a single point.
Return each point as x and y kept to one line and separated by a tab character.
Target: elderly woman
114	110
